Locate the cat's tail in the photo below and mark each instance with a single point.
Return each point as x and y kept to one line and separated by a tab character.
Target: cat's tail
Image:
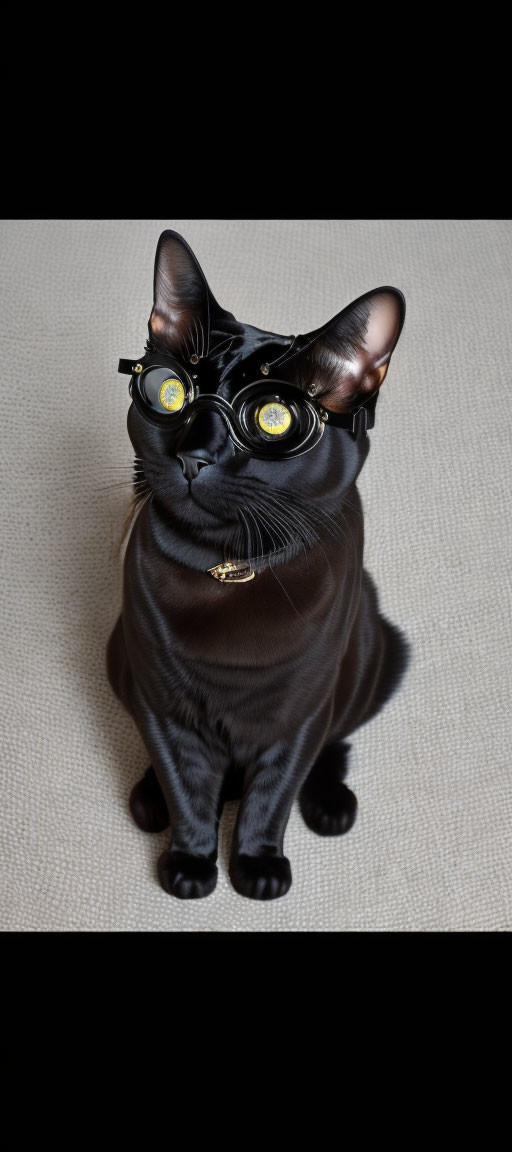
396	659
396	655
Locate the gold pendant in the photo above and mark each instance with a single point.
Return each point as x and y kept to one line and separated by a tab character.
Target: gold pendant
233	572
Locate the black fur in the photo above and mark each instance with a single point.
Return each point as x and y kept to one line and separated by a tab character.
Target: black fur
261	877
249	691
328	807
147	804
185	876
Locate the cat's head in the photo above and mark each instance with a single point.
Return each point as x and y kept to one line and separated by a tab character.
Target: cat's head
212	491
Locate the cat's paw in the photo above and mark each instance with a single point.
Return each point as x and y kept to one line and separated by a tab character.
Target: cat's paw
147	804
261	877
187	877
329	810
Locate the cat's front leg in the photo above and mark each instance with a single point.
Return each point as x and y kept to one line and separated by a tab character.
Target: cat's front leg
258	867
190	775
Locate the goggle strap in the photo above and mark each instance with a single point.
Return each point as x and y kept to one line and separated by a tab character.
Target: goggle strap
127	367
356	422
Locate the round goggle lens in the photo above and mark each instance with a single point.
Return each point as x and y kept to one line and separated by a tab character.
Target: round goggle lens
274	418
162	392
172	394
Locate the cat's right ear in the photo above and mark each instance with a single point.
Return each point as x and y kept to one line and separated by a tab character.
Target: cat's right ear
182	302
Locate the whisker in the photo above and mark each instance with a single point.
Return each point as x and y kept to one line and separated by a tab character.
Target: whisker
228	340
317	543
248	530
304	542
267	515
298	519
295	609
185	343
124	484
202	336
355	508
196	336
251	514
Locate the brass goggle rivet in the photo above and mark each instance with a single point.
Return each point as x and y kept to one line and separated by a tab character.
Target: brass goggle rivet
194	359
311	390
265	369
137	369
324	417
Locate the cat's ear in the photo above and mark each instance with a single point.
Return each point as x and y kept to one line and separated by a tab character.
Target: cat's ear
183	304
348	358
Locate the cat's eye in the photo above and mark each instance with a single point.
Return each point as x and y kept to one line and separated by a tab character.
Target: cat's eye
172	394
273	418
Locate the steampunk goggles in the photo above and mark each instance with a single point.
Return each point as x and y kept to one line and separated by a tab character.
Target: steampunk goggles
269	418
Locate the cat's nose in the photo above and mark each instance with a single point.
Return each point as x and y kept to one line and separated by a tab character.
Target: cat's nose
203	438
191	462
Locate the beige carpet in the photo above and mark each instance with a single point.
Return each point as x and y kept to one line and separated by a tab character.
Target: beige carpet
432	847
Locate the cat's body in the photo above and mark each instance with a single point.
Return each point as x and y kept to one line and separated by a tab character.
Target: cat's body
249	689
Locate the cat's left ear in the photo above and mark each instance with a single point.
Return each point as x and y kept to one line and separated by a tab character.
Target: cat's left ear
348	358
184	307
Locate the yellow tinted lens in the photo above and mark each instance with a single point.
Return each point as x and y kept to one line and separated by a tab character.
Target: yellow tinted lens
172	394
274	418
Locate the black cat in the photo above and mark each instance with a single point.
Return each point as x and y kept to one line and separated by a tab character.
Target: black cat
250	643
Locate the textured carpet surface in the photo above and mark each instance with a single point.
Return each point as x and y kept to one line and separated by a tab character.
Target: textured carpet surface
432	846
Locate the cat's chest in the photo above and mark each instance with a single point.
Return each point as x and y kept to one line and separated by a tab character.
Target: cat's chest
280	615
